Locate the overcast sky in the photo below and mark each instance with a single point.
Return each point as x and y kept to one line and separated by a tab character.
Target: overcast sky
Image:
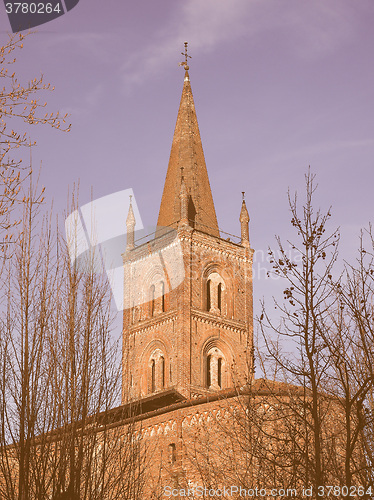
278	85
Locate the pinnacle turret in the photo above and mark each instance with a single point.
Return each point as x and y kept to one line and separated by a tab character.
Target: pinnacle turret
244	221
130	225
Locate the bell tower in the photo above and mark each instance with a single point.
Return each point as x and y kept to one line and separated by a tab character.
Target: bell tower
193	336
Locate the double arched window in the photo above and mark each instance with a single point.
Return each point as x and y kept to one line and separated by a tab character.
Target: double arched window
215	287
156	377
215	369
157	298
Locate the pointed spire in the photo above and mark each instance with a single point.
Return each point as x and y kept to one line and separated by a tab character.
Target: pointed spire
130	225
187	152
244	221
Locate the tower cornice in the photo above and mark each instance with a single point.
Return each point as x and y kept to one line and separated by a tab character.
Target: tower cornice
218	321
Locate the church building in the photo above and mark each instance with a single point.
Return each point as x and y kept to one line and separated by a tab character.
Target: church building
185	347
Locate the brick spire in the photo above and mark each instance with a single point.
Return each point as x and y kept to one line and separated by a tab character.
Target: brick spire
187	153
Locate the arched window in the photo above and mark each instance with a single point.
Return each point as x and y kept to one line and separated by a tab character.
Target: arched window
162	296
152	299
153	375
208	302
208	371
215	294
157	371
219	373
162	366
219	296
215	369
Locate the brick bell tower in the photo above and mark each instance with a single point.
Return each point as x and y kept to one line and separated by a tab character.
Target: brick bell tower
188	317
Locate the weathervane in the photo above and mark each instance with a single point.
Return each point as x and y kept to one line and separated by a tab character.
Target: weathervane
185	63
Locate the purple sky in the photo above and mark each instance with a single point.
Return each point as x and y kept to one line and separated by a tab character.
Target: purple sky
278	86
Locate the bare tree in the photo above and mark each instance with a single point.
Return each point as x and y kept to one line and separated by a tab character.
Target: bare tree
304	319
59	368
309	423
350	346
19	104
26	314
60	377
